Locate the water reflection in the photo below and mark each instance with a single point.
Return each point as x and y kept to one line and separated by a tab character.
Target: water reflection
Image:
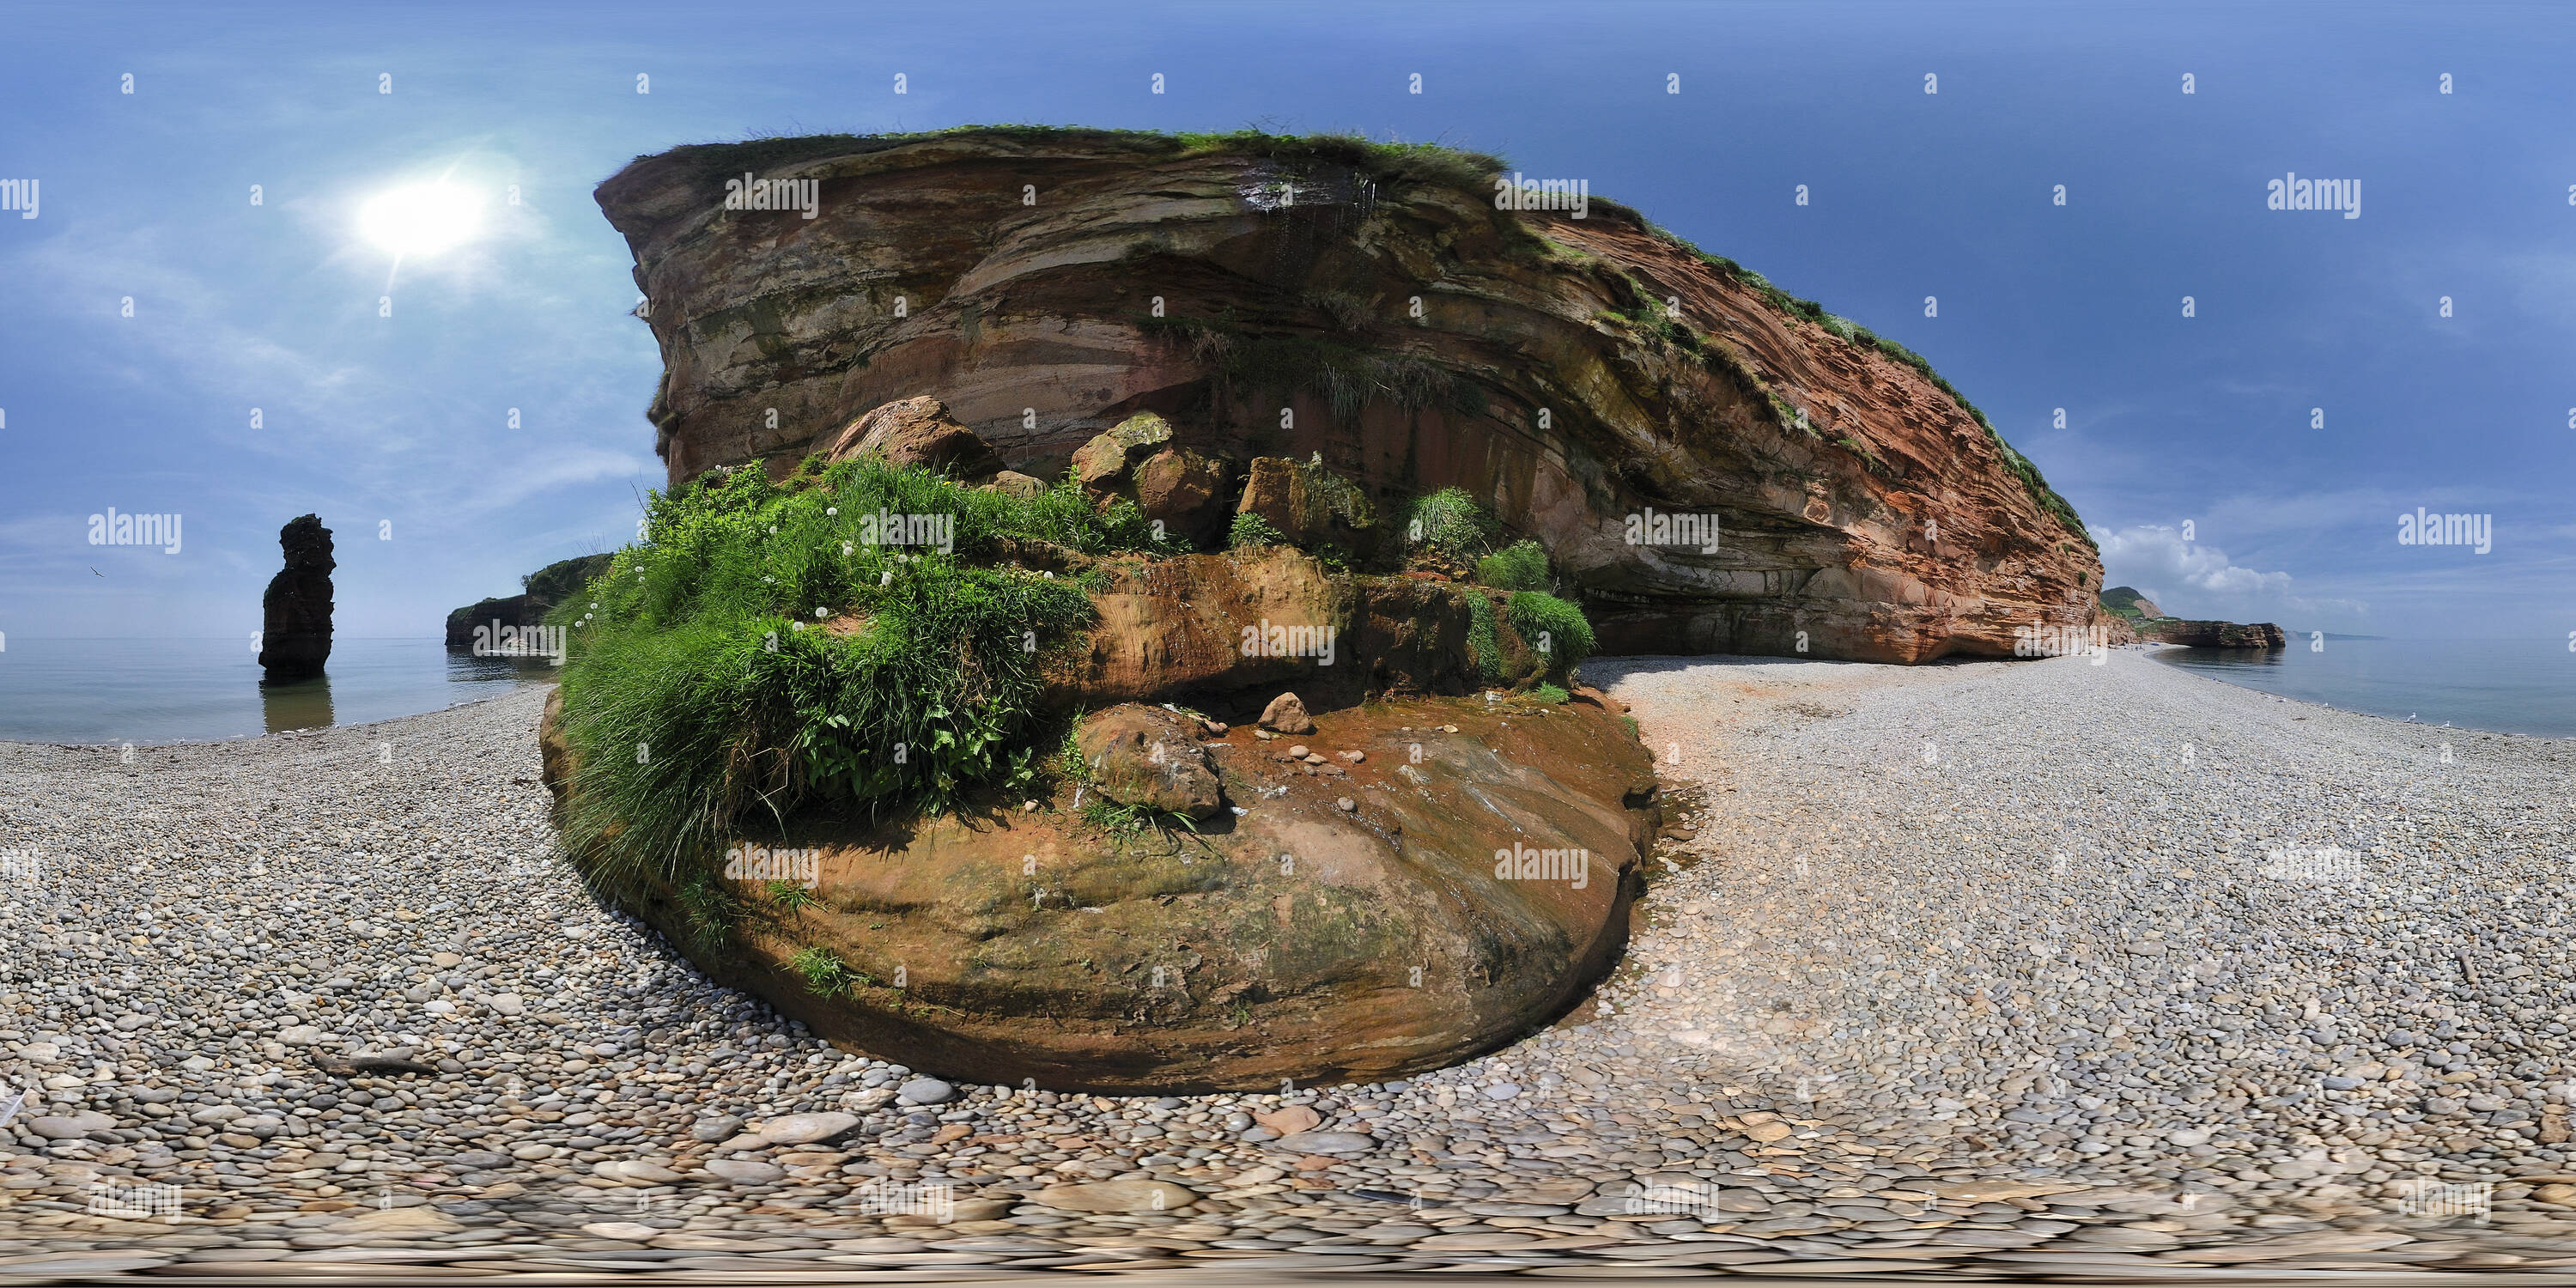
297	704
464	667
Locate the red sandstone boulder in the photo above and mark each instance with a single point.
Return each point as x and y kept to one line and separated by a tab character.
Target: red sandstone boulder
916	431
1145	755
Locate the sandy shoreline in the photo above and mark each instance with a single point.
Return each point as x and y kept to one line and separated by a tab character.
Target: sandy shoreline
1865	992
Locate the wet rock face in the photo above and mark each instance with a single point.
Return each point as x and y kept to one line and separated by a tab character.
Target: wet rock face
1861	512
295	614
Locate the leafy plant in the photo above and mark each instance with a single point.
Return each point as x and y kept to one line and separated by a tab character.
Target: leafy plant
1484	641
1522	566
1451	523
764	649
1252	530
1552	626
790	896
823	972
1549	694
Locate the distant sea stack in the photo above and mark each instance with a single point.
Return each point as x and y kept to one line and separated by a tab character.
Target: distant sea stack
295	614
540	592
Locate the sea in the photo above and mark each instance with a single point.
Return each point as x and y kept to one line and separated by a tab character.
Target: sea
2510	686
145	691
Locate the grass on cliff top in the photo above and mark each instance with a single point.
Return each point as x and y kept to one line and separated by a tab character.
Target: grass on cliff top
773	645
1428	163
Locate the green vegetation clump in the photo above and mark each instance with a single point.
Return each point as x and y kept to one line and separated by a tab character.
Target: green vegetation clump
767	647
1250	529
1522	566
1451	523
1553	627
1549	694
1484	640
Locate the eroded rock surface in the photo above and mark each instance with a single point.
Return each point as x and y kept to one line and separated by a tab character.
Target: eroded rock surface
1865	512
295	614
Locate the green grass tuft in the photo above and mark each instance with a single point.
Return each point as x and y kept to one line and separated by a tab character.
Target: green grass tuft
1250	529
1451	522
1523	566
1554	628
704	686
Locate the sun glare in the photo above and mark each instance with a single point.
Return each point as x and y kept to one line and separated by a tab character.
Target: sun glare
421	219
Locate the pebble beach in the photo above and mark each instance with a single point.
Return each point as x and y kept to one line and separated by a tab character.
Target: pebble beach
1977	969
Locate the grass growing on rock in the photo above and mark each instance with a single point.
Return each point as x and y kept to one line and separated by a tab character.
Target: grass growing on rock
1521	566
1451	523
1552	626
766	647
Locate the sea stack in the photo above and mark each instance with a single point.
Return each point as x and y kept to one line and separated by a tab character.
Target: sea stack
295	637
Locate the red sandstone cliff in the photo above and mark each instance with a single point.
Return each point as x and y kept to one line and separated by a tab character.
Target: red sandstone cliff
1044	284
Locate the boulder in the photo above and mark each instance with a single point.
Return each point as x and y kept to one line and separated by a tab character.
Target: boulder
1400	936
1101	464
295	614
1014	483
1309	504
1138	460
915	431
1147	756
1286	714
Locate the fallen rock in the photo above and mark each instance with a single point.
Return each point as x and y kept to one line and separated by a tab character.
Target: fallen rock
1288	1120
745	1171
916	431
927	1091
1014	483
805	1129
1309	504
715	1129
1101	464
1123	1196
70	1126
1286	714
1327	1142
1145	755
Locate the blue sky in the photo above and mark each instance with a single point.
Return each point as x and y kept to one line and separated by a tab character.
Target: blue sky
404	420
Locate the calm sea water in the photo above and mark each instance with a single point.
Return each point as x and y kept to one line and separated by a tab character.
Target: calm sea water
195	690
2517	686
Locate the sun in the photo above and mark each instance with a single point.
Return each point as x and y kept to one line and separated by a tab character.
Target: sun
422	219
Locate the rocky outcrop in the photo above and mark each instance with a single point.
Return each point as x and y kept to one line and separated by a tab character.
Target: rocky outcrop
540	591
1476	885
1368	309
2168	630
295	614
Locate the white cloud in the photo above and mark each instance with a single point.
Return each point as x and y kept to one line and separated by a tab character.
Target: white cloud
2196	579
